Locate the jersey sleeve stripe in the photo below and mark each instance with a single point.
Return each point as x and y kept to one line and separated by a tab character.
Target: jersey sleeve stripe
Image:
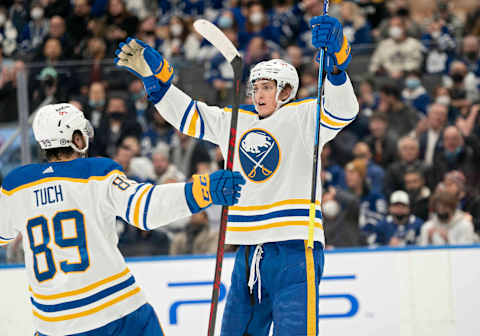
4	238
130	199
145	210
81	290
185	116
202	123
87	312
331	122
69	179
85	301
136	214
337	118
332	128
193	123
272	205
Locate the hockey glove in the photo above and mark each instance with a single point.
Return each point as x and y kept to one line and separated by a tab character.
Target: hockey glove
147	64
222	187
327	32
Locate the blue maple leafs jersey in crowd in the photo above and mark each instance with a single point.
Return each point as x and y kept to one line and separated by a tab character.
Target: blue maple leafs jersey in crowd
407	234
66	214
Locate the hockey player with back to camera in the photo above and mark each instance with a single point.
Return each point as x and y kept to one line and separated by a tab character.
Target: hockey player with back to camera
276	276
66	210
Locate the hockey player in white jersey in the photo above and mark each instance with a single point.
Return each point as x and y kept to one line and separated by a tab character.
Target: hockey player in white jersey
66	210
276	276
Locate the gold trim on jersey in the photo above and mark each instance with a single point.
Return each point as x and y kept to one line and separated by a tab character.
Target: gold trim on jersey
272	205
229	109
69	179
136	213
271	225
89	311
81	290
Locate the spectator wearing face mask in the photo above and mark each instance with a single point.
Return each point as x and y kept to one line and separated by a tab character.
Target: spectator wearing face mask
173	44
340	210
78	20
414	94
418	193
8	33
96	103
397	54
400	227
355	27
115	125
35	31
441	95
455	183
463	86
333	174
470	54
448	225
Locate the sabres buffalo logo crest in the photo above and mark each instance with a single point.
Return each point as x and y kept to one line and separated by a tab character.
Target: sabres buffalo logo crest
259	155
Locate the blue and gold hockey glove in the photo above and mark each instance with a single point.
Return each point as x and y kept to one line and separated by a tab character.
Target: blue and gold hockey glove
222	187
327	32
147	64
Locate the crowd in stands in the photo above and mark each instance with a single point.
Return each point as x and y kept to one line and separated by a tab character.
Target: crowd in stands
405	172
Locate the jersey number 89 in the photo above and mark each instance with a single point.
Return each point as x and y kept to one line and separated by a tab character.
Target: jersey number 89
79	242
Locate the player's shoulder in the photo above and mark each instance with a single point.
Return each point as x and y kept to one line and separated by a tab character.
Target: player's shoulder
302	101
243	109
79	170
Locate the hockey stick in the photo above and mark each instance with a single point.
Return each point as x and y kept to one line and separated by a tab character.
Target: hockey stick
216	37
313	196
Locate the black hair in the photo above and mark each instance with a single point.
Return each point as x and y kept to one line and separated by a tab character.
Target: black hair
391	90
59	152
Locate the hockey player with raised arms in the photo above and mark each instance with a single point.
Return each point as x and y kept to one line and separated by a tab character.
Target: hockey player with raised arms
276	276
66	210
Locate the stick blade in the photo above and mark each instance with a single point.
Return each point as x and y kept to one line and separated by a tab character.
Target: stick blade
216	37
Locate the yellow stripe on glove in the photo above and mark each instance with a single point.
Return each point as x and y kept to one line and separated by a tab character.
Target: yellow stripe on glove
201	190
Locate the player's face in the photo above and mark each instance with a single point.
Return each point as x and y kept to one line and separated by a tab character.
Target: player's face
264	92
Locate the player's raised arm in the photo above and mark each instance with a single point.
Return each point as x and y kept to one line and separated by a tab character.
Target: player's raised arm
340	105
186	114
148	206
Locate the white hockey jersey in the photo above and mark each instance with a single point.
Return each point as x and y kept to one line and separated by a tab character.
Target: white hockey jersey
66	212
274	154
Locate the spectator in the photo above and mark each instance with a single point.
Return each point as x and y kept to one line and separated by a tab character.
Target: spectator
114	126
429	130
355	27
401	118
375	173
455	153
34	32
8	33
418	192
127	149
469	200
381	143
332	174
470	54
189	155
174	42
442	96
340	210
57	30
414	94
165	171
140	103
78	21
408	150
373	206
134	242
141	169
448	225
197	237
397	54
57	7
439	45
159	130
49	91
18	14
96	103
462	85
119	24
400	227
8	88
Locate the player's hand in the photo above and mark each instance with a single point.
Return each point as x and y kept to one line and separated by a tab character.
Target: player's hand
222	187
147	64
327	32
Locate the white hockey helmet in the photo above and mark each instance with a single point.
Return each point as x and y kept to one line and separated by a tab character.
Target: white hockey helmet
55	124
281	72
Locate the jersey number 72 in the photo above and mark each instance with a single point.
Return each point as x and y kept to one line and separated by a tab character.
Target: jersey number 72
79	241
